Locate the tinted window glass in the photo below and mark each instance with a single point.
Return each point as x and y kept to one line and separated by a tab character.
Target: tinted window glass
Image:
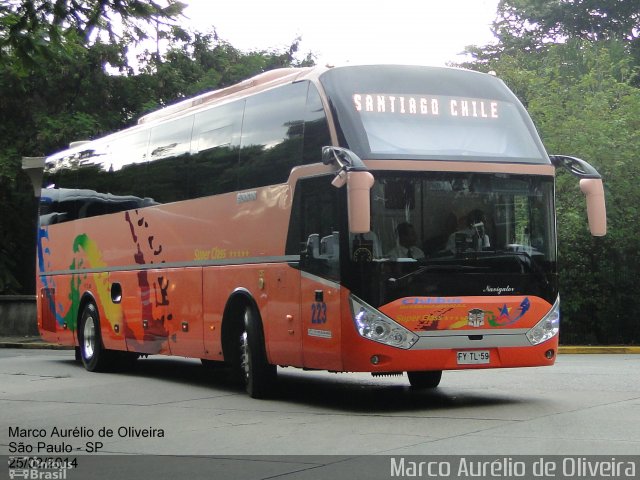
272	135
168	170
85	184
170	139
128	164
316	128
410	112
190	157
216	145
314	232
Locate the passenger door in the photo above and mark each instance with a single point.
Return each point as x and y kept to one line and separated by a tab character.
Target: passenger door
317	207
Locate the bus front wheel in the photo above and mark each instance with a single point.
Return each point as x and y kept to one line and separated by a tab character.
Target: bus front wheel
424	380
258	375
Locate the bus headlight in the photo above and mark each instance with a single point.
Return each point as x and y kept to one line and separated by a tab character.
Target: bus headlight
546	328
374	325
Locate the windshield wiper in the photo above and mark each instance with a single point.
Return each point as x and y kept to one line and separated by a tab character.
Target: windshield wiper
527	259
397	282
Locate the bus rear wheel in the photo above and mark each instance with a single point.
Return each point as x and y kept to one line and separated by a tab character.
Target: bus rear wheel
92	353
425	380
259	377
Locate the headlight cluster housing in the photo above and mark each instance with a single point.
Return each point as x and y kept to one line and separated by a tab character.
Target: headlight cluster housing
373	325
546	328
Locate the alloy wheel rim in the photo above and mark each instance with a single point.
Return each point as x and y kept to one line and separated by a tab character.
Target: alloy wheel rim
244	355
89	337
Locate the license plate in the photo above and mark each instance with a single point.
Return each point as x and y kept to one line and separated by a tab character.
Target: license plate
475	357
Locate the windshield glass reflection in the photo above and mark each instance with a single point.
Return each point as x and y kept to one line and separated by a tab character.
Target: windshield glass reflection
451	218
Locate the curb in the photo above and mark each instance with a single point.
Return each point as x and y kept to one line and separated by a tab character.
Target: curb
579	350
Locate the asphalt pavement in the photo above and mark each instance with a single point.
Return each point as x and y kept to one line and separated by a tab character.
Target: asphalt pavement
171	418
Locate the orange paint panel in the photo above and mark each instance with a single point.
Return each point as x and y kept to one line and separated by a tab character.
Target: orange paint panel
283	323
213	303
466	313
144	329
321	323
187	231
219	285
180	233
178	301
358	357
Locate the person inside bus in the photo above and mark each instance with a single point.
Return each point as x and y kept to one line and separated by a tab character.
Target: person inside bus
473	236
406	246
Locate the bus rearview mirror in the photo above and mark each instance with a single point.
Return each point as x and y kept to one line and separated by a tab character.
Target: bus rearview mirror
596	208
359	185
591	186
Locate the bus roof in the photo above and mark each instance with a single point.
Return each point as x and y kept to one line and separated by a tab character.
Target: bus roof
263	81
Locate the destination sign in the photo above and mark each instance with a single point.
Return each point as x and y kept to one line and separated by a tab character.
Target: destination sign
426	105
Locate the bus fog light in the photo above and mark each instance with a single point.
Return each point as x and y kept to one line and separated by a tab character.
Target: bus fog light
546	328
375	360
374	325
549	354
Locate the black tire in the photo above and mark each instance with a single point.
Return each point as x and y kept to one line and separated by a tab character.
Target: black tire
259	377
94	356
424	380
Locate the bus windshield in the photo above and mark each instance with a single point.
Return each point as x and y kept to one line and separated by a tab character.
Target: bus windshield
460	213
480	231
424	113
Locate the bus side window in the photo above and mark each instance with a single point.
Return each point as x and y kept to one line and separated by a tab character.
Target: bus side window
168	175
128	165
272	135
215	147
316	128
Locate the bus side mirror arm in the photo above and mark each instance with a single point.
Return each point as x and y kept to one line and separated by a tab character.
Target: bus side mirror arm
591	186
359	181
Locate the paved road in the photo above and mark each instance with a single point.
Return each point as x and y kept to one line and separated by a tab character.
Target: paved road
584	405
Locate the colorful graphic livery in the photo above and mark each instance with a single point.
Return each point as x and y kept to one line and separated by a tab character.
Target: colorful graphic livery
382	219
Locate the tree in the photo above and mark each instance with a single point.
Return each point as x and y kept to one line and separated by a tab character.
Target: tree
574	65
531	26
54	89
32	29
550	21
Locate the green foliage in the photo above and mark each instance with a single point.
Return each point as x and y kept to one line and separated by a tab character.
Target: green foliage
57	85
32	29
582	108
574	65
544	21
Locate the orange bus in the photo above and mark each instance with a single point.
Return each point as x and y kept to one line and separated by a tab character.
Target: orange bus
382	219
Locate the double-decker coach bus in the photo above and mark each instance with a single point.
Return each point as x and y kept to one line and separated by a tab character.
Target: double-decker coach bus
381	219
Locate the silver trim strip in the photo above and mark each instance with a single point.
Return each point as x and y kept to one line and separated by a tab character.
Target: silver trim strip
467	333
164	266
463	342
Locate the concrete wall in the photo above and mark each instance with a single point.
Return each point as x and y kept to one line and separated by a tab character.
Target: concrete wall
18	315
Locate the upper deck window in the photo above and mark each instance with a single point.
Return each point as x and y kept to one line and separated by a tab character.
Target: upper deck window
431	113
